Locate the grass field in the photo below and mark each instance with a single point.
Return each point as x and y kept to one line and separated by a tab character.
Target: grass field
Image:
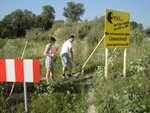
118	94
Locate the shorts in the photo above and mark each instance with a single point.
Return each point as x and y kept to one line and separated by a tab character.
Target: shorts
65	60
49	62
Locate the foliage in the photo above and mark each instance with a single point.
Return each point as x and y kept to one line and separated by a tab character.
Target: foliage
58	97
136	36
17	23
124	94
47	17
119	94
140	26
99	22
39	21
2	43
73	11
133	25
54	101
57	26
83	31
147	31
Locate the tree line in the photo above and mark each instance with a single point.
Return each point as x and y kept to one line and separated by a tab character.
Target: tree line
18	22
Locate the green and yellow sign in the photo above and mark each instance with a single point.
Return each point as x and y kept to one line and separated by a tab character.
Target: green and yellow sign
117	29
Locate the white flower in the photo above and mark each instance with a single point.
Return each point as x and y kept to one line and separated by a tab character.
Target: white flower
68	92
139	85
125	91
143	106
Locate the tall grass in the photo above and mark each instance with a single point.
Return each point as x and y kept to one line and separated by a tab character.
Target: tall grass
117	95
125	94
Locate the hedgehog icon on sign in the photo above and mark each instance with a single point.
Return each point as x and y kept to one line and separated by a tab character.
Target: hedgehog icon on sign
110	17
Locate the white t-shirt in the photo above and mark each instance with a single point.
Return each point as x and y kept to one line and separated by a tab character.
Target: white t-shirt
66	47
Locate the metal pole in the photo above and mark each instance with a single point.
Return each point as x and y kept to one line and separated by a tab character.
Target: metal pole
25	97
14	82
24	83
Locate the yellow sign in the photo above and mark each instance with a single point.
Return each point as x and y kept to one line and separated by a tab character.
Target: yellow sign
117	29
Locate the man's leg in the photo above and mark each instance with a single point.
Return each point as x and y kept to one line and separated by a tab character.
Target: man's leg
63	71
69	71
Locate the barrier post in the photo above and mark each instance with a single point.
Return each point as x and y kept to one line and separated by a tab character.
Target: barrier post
24	83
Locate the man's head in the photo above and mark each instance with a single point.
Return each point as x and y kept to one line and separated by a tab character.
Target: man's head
71	38
52	40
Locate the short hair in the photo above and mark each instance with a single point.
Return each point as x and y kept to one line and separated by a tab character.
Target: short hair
71	36
52	39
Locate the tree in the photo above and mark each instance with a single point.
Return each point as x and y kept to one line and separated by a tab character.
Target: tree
140	26
17	23
133	25
28	19
48	17
100	21
6	27
1	27
73	11
147	31
38	21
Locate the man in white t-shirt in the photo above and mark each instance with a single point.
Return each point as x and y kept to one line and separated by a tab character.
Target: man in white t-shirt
66	50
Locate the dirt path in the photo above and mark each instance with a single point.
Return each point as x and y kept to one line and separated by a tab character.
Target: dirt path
91	107
90	96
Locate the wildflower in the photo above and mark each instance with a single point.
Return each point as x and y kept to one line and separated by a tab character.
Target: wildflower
68	92
143	106
125	91
139	85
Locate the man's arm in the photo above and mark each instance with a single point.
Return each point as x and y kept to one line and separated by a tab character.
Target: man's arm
71	53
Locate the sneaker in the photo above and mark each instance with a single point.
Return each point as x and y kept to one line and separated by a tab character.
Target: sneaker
69	75
63	76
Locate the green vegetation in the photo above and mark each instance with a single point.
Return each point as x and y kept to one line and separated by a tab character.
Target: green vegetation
125	94
119	94
19	22
73	11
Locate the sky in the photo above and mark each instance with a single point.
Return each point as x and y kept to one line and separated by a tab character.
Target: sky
139	9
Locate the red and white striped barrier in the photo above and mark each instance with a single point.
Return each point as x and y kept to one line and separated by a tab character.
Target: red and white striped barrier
19	70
